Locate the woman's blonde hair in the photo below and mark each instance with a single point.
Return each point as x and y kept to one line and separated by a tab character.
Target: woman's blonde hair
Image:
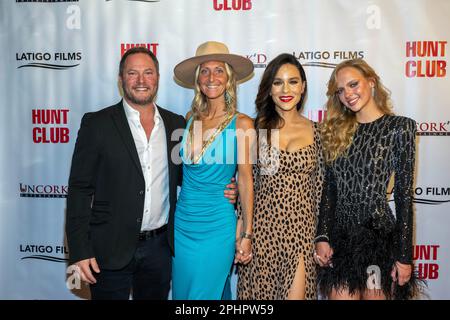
340	125
199	106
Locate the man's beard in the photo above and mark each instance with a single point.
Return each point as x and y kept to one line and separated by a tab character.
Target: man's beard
140	102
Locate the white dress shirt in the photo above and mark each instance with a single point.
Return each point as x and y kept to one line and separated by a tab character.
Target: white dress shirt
153	158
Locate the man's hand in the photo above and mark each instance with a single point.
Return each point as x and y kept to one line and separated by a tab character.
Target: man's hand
84	269
231	191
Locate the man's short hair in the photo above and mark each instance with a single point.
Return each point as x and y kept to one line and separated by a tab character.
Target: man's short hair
136	50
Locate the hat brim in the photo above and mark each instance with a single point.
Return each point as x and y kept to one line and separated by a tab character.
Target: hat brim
184	72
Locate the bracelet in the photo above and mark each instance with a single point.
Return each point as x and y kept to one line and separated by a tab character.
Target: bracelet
321	238
246	235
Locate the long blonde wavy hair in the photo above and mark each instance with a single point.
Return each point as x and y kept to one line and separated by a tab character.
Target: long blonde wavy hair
340	125
199	106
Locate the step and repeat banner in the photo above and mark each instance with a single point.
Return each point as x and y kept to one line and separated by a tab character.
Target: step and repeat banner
59	59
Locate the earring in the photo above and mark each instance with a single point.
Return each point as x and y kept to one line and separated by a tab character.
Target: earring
227	98
373	91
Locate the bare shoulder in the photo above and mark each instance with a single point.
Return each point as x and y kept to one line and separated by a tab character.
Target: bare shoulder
306	125
306	121
243	121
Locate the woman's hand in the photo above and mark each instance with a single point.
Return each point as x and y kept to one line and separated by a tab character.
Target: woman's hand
323	254
243	251
401	272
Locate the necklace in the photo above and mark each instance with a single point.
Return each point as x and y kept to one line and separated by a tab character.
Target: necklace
208	142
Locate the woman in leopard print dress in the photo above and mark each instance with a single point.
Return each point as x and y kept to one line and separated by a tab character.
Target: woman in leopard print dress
288	178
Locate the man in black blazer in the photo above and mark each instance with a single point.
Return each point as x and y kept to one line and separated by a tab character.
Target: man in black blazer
123	189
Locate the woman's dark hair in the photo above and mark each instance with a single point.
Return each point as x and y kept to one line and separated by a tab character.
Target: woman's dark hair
267	117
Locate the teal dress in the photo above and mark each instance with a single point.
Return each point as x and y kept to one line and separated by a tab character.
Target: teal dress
205	221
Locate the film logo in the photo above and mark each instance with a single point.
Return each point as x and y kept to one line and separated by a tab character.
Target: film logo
426	59
50	125
45	1
232	5
426	257
153	47
43	252
321	58
428	195
42	191
433	128
47	60
259	59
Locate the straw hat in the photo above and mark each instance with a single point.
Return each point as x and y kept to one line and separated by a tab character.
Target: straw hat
212	51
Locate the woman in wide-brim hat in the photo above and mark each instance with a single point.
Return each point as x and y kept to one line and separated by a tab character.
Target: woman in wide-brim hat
212	51
208	236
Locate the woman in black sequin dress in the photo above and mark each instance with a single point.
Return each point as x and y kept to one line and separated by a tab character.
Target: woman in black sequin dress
363	248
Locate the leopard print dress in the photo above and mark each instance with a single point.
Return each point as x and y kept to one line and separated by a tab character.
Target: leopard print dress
288	188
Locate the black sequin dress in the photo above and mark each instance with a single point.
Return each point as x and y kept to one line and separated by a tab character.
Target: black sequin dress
366	236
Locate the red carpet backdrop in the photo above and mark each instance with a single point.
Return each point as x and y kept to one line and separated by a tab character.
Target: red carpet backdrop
59	59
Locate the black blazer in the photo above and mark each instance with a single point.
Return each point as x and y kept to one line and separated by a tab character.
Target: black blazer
106	187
